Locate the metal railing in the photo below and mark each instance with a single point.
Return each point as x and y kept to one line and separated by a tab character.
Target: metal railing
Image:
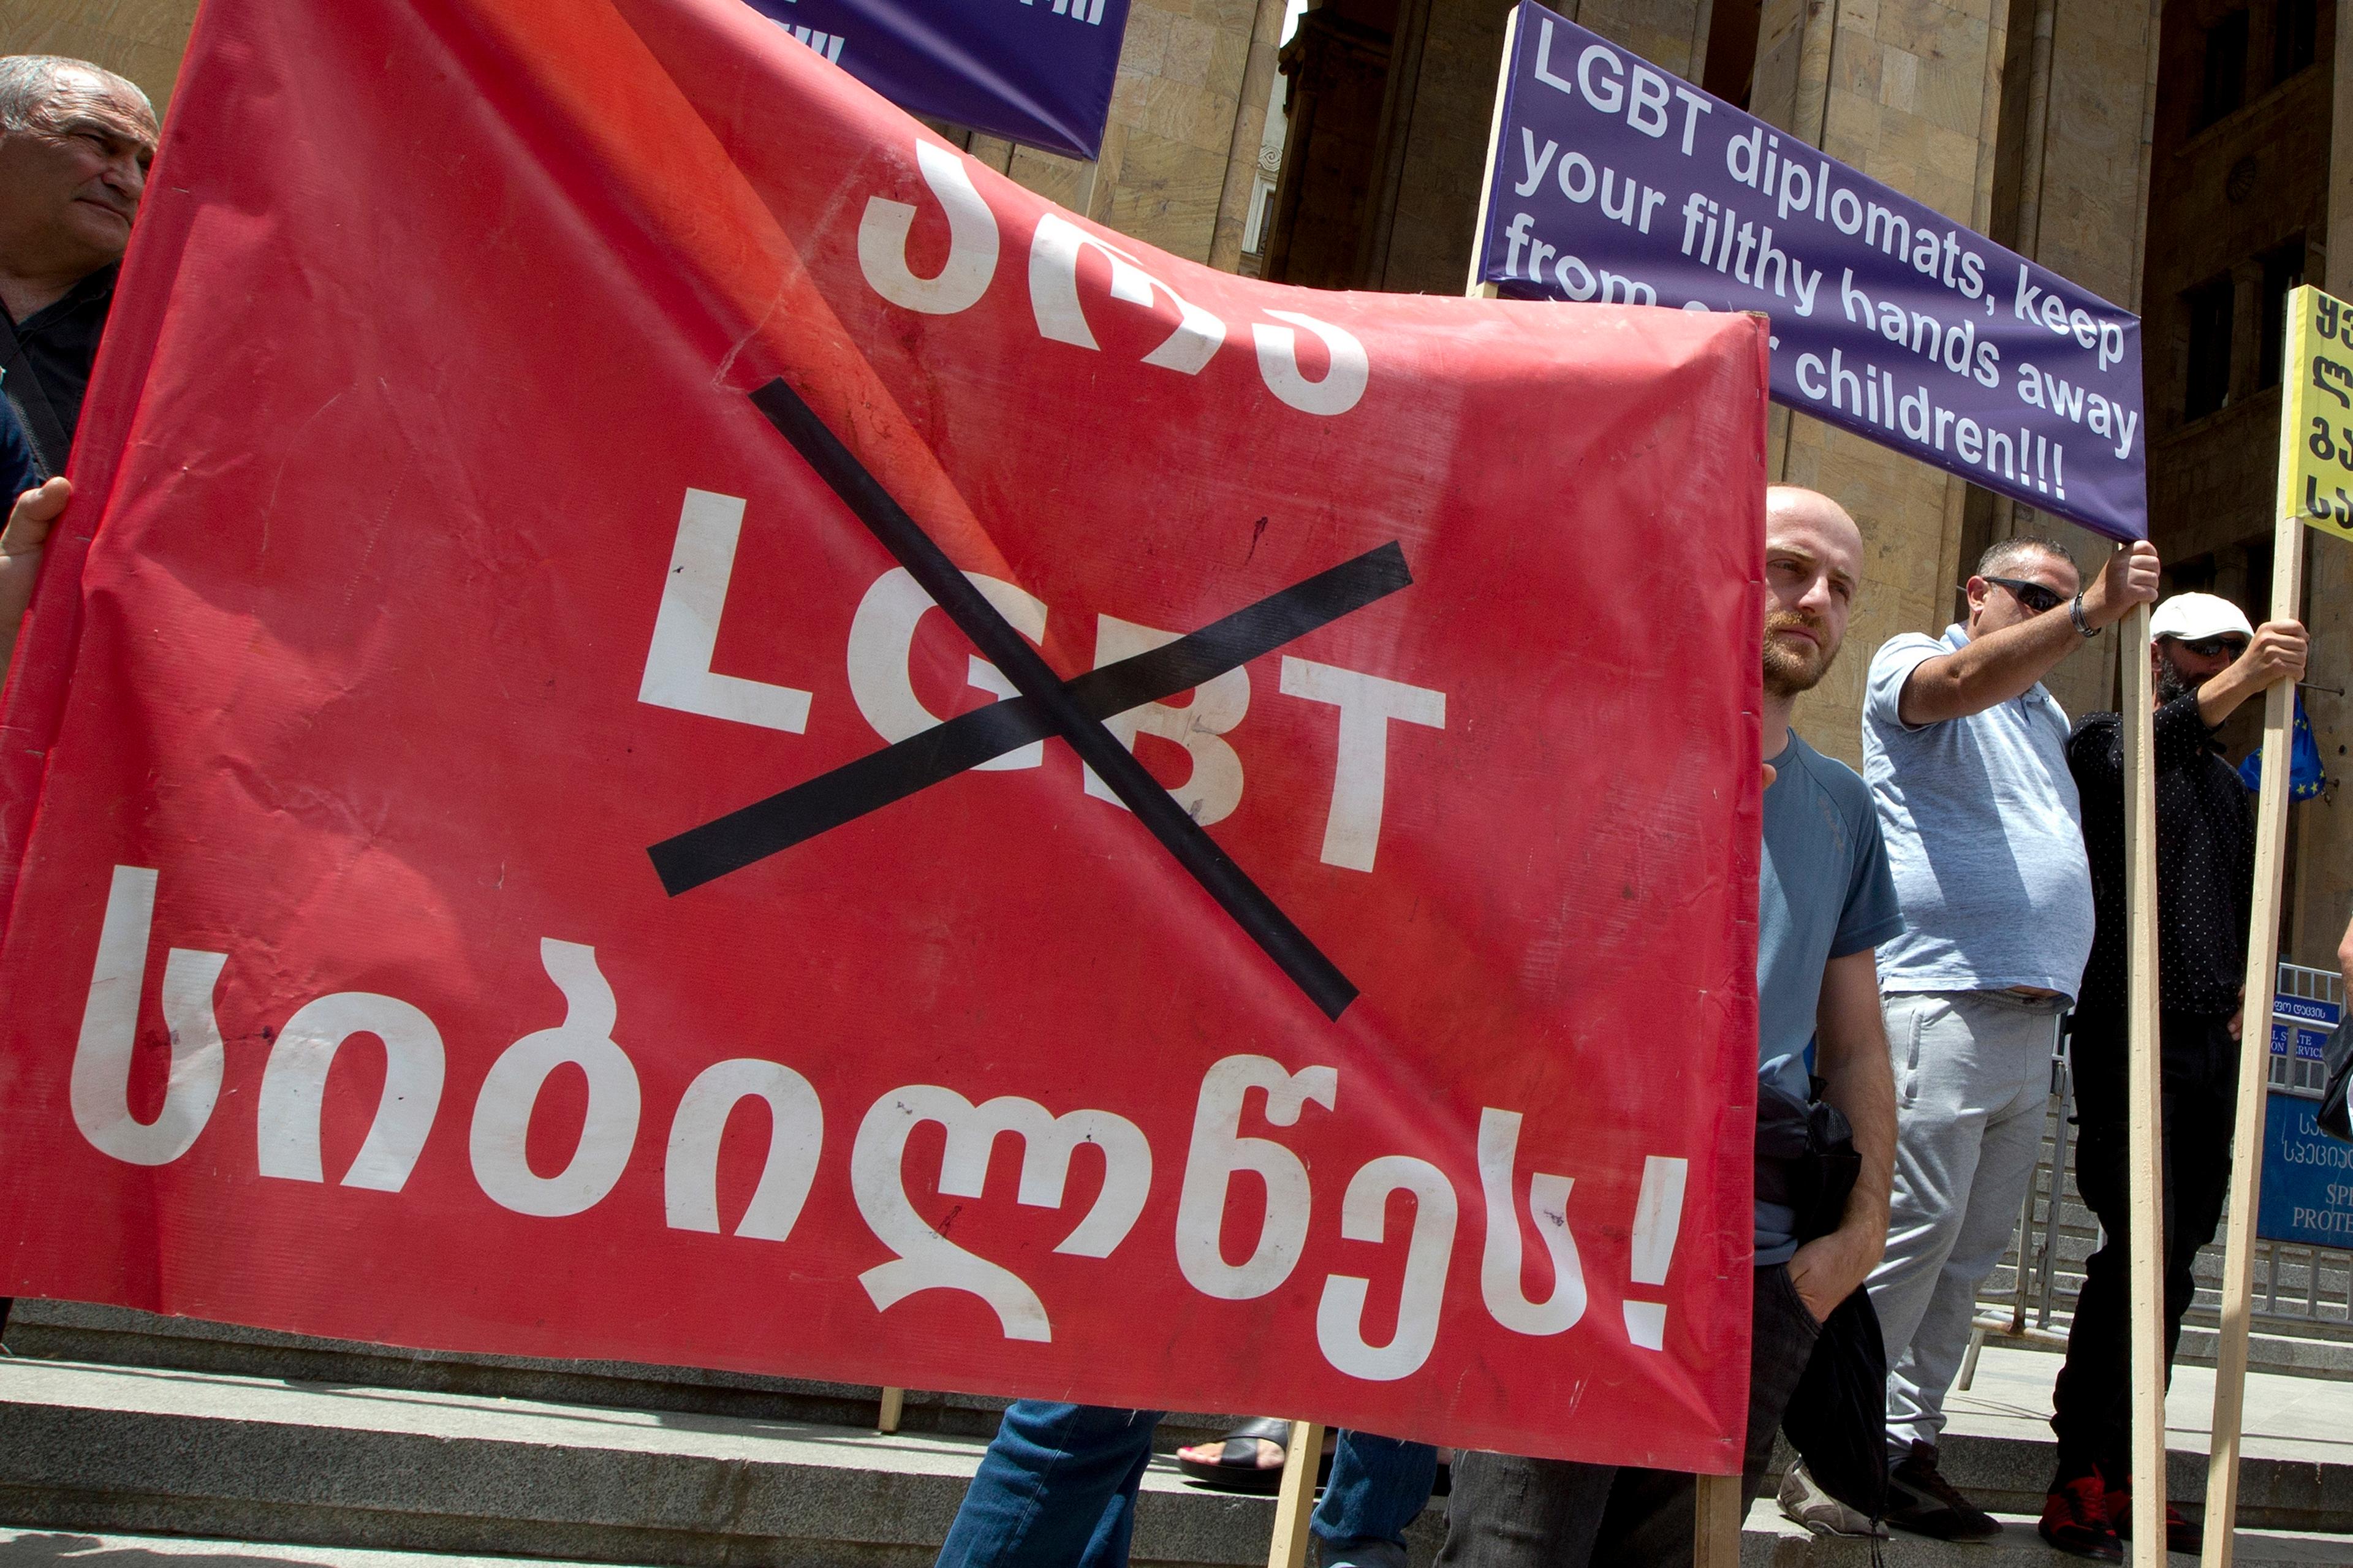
2298	1286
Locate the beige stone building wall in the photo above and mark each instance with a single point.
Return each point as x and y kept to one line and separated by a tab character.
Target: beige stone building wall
141	40
1187	119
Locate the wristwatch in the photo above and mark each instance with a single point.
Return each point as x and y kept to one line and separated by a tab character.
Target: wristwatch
2076	614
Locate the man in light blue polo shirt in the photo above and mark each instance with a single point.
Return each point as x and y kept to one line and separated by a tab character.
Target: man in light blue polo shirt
1965	756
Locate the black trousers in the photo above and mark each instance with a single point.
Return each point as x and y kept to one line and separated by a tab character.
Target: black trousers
2092	1406
1511	1512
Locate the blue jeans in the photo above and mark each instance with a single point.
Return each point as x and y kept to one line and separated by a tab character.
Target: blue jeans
1057	1489
1378	1485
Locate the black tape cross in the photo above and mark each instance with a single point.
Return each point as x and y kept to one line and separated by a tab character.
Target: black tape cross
1046	706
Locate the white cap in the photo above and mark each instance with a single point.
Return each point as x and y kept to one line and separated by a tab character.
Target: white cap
2192	618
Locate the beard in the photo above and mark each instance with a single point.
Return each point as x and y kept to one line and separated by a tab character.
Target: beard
2171	684
1790	669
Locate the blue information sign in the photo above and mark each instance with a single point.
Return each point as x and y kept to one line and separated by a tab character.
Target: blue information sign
1039	72
2308	1178
2307	1194
2300	1025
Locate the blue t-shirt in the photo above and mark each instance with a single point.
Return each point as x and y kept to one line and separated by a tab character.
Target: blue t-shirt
1823	892
1985	835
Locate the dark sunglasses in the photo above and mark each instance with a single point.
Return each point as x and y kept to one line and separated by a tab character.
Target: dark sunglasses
2034	595
2207	647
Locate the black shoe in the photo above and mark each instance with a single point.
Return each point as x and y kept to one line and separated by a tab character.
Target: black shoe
1923	1501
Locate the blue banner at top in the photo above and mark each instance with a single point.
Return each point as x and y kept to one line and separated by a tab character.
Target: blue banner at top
1615	182
1039	72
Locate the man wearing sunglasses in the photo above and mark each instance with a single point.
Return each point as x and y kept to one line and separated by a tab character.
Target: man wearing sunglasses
2206	661
1965	756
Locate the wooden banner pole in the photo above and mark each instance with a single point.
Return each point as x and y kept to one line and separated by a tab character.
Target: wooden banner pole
2254	1069
2145	1127
1716	1543
1294	1500
895	1403
2262	976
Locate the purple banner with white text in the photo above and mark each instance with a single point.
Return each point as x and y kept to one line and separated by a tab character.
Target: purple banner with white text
1616	182
1039	72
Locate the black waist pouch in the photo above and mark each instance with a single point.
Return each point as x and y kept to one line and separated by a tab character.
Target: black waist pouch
1806	1159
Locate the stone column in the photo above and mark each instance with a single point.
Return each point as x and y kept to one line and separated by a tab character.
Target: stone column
2323	827
1191	102
1337	70
1437	112
1265	39
1908	91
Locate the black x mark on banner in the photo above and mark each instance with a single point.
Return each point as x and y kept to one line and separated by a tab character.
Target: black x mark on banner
1047	705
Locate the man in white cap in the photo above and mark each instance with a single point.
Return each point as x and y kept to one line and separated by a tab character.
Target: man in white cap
2206	661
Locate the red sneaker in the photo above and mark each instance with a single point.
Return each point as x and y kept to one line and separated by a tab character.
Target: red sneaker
2181	1535
2075	1521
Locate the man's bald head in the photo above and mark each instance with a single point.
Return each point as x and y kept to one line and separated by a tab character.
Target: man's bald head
1796	504
1813	570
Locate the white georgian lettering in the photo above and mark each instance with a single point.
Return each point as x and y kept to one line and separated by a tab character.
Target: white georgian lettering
1216	1153
294	1088
1278	363
925	1259
882	233
1364	1217
101	1084
1500	1281
1054	296
796	1136
502	1114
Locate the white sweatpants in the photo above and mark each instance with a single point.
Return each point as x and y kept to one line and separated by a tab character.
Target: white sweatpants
1972	1086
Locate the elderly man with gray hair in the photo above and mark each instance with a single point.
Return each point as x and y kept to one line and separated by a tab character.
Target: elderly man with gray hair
75	143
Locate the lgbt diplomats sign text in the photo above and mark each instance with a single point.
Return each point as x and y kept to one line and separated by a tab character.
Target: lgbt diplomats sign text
1612	181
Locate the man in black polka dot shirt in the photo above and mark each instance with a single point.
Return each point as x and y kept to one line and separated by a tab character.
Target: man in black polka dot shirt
2206	661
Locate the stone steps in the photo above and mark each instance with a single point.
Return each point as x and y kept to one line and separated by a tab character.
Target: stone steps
1770	1542
117	1336
151	1451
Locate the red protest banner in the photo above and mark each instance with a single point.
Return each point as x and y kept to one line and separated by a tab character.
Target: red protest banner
495	875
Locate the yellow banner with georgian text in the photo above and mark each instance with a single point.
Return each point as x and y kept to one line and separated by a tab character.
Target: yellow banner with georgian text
2316	473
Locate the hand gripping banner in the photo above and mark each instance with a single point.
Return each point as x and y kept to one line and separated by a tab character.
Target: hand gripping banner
675	724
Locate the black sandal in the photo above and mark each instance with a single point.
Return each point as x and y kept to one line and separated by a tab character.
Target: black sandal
1236	1467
